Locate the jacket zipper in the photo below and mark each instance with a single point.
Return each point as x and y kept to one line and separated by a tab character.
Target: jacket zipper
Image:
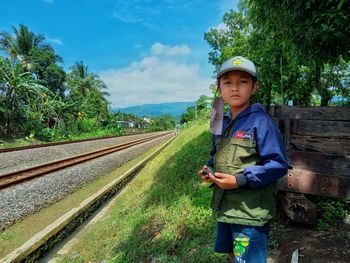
234	154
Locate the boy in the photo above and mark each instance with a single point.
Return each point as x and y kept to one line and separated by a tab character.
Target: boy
248	156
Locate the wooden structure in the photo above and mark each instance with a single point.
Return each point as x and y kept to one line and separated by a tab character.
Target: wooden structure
317	140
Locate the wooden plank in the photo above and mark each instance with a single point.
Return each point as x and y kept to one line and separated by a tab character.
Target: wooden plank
313	113
320	163
326	145
308	182
323	128
286	132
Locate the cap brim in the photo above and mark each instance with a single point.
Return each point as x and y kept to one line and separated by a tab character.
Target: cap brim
253	74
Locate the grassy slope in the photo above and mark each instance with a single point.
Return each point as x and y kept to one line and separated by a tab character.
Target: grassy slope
163	216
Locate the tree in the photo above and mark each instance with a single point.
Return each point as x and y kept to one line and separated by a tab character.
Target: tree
239	37
162	123
188	116
290	43
88	91
317	32
19	45
17	90
80	80
230	40
43	65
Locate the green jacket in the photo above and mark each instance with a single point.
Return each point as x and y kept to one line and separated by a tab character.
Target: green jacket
247	206
251	149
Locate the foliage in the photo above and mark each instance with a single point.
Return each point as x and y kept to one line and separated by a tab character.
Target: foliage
17	90
294	45
200	110
87	124
331	211
43	65
189	115
38	98
86	90
20	44
162	123
311	32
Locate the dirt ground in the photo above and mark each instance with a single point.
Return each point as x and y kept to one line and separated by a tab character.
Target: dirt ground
319	246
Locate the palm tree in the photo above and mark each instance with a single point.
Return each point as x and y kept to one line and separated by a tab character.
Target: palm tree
88	90
81	80
19	45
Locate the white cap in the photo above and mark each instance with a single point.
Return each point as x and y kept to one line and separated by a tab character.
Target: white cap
237	63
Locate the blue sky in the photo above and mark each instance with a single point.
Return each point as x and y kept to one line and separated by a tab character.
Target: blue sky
146	51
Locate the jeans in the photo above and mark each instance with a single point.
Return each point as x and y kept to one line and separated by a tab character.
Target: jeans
247	243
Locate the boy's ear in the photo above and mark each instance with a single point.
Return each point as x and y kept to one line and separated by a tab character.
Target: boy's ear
255	87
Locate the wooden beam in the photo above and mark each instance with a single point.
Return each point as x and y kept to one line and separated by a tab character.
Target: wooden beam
307	182
328	164
311	113
321	144
323	128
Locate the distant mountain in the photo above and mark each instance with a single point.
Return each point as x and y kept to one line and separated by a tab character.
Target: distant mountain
172	108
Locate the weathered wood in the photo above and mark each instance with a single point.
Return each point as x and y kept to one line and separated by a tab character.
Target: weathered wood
313	113
317	140
298	208
286	132
325	145
319	162
323	128
308	182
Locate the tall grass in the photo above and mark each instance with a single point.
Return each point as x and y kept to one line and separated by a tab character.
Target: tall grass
164	214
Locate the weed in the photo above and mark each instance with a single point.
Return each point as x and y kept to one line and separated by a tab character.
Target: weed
331	211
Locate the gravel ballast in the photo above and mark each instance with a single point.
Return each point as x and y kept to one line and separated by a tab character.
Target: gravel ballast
17	160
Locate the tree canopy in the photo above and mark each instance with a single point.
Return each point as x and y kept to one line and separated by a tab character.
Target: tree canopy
38	98
296	45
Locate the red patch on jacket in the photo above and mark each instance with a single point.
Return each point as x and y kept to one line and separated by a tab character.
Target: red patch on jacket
244	135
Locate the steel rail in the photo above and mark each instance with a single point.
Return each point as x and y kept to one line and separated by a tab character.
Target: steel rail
16	177
25	147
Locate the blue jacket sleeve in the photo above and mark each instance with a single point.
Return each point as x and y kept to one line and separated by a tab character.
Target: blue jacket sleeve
271	150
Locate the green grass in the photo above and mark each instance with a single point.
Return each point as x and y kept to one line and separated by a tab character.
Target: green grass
163	216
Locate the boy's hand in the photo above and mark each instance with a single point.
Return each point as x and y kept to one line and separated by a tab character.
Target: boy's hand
206	177
225	181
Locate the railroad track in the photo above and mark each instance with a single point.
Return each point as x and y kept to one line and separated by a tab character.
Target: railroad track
19	148
16	177
37	246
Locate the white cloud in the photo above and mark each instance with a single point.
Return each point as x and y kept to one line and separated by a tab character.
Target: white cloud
55	41
155	79
160	49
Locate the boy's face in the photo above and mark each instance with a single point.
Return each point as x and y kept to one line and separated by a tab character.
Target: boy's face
236	88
